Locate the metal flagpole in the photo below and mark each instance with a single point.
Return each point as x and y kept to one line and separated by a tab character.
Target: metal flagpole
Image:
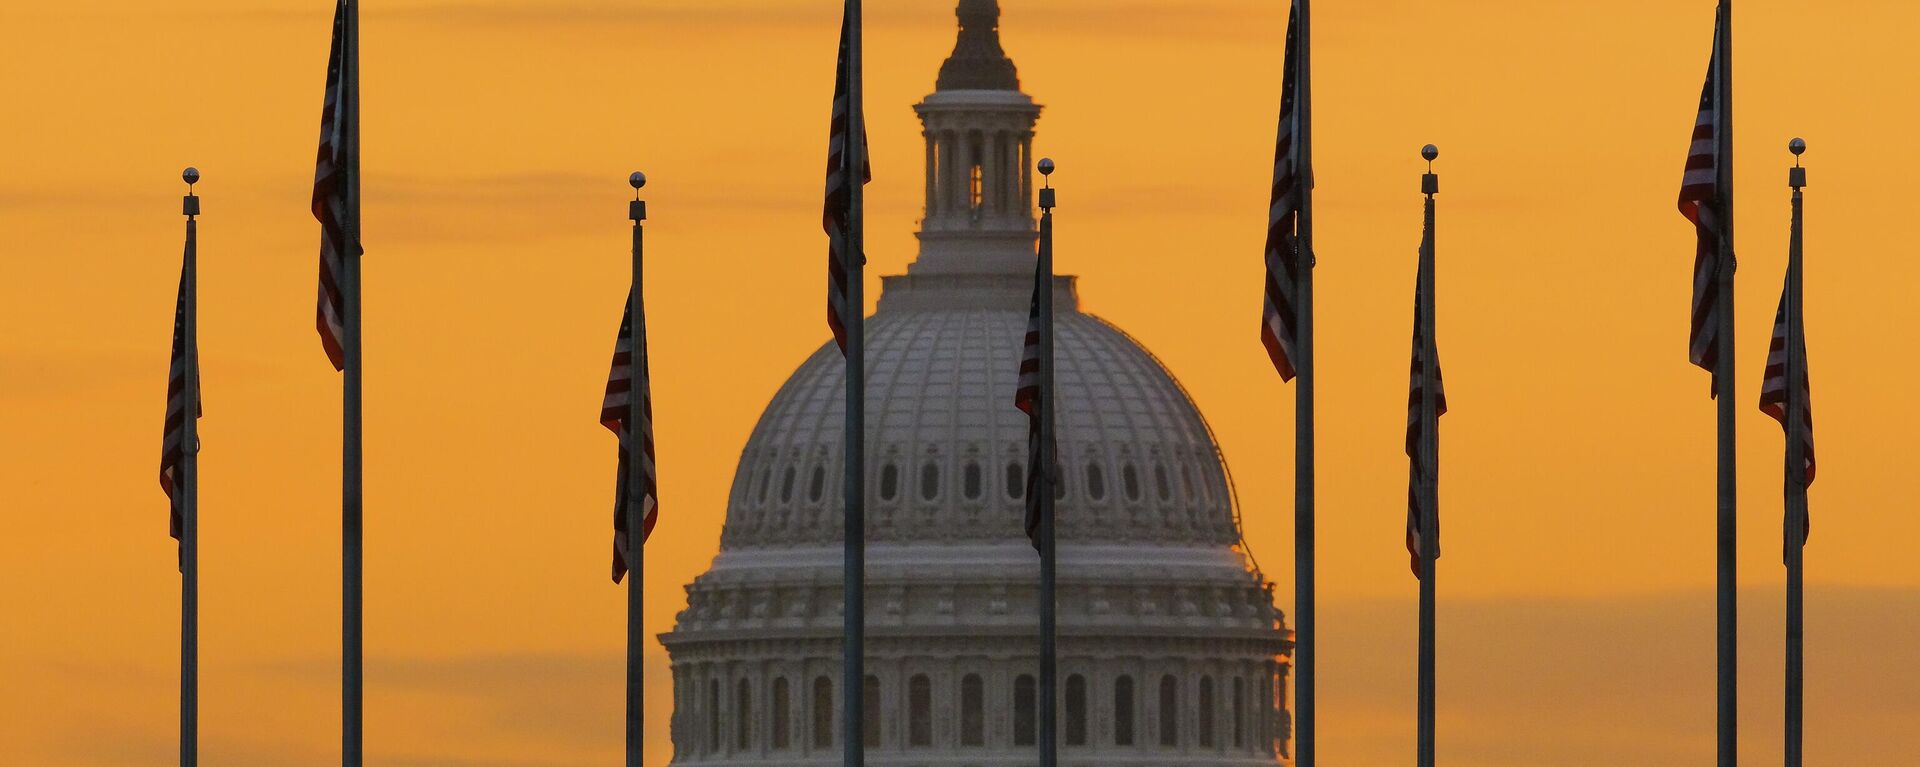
635	486
853	684
1303	443
1049	685
189	488
350	474
1727	651
1796	470
1429	465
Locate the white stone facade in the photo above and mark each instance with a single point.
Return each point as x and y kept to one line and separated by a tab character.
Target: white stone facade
1171	651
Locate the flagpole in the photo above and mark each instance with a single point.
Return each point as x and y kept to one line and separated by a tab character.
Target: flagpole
1049	684
1303	442
1796	469
1727	650
1430	467
635	487
189	487
350	474
854	534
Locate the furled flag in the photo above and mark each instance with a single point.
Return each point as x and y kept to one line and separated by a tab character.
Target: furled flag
1283	261
838	210
1774	387
330	195
1701	202
173	446
1027	397
614	410
1415	435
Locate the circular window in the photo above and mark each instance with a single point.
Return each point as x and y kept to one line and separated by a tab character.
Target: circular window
930	481
1130	481
970	481
889	482
818	487
786	485
1096	482
1016	481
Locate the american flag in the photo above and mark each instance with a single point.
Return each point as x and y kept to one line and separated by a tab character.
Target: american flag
614	409
1027	397
173	448
330	196
1700	202
1415	434
1773	388
1277	319
837	213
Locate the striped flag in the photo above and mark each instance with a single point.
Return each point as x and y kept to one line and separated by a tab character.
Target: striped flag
1417	470
173	448
838	214
1701	202
330	197
1774	387
614	409
1277	319
1027	397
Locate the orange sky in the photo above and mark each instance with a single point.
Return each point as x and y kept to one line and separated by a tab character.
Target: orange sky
1576	625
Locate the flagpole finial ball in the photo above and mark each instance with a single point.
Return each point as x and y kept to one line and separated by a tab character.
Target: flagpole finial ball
1798	146
1429	152
637	180
191	175
1046	166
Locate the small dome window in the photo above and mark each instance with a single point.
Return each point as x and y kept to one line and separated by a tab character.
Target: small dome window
1016	481
766	477
1160	485
818	486
1130	481
970	481
1096	482
1186	481
929	481
786	485
889	482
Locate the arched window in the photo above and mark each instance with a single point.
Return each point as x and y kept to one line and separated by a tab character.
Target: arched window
1239	712
1130	481
780	712
1123	711
919	711
929	481
1096	482
870	711
822	712
970	481
889	482
818	486
766	477
1023	715
713	716
743	722
975	187
1016	481
786	485
1169	711
972	717
1076	710
1160	485
1206	712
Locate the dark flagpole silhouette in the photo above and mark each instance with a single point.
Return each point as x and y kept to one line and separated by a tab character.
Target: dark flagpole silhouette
1034	396
1786	395
180	470
336	205
1426	403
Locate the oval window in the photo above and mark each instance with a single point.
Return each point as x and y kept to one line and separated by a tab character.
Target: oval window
970	481
930	481
1130	480
1160	486
889	482
786	485
818	486
1096	482
1016	481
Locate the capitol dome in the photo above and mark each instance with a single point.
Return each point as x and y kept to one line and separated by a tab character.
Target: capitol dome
1171	650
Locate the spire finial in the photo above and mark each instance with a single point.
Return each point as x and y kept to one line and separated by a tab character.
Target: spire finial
1430	183
190	206
637	210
